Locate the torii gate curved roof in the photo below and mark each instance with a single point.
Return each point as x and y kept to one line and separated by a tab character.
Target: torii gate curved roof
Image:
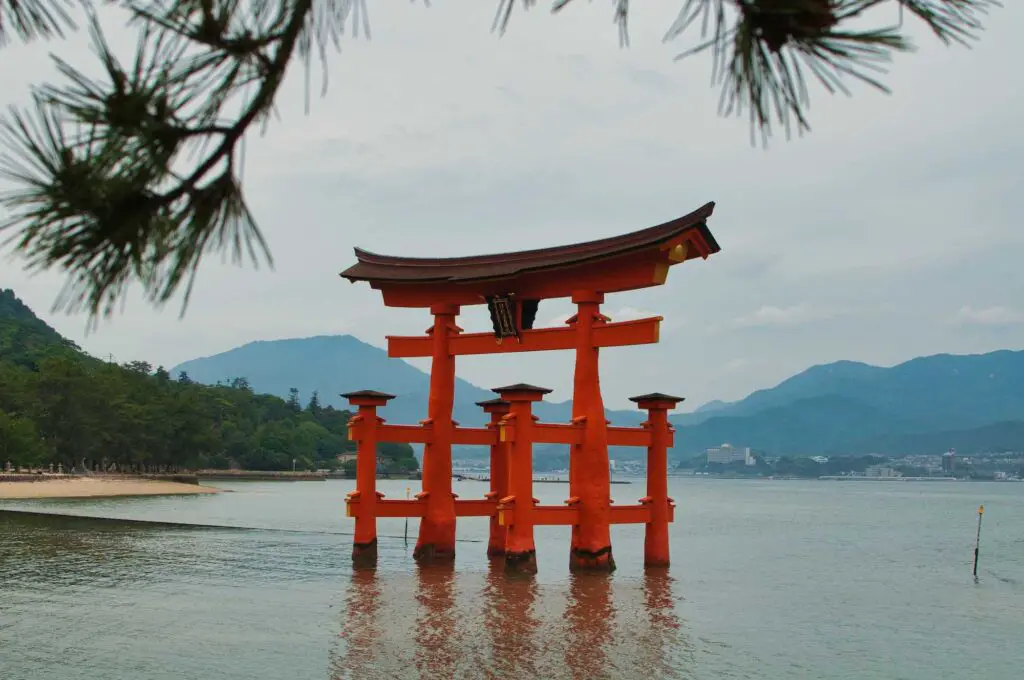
626	262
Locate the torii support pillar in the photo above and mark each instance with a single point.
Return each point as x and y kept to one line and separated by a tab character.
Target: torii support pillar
515	511
656	543
589	476
362	503
436	540
497	408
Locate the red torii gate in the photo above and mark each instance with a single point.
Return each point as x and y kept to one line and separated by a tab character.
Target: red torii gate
512	285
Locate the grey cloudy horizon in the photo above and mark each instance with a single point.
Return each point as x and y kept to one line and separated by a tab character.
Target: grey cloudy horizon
889	232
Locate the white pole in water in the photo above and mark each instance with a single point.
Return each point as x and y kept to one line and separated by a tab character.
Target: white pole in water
977	540
407	519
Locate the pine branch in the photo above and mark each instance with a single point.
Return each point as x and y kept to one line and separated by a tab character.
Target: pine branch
952	21
763	50
98	164
34	19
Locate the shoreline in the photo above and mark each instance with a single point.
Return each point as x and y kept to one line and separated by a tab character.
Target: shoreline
261	476
92	487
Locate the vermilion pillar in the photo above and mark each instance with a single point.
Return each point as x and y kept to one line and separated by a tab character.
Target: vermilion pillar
517	426
436	539
497	408
656	544
362	503
589	477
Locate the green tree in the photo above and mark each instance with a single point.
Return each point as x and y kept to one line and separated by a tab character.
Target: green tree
293	400
798	467
141	367
314	406
241	384
304	440
20	443
65	408
397	458
136	175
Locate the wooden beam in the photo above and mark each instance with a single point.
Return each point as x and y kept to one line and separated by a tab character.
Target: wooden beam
555	515
549	433
475	436
401	508
615	334
474	507
630	514
629	436
404	434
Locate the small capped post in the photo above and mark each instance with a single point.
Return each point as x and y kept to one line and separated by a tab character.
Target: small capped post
515	511
497	408
362	503
656	543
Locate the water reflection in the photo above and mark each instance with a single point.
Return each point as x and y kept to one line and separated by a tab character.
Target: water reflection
437	626
362	621
441	623
669	653
589	616
513	629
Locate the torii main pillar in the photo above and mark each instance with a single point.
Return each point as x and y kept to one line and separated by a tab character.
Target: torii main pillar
436	540
589	476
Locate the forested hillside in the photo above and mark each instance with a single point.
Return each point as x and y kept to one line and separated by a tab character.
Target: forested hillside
58	405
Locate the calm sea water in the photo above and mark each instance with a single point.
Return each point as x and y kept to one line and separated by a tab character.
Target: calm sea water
771	579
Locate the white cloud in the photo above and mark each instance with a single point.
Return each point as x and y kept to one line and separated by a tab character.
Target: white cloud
770	315
630	313
989	316
736	364
626	313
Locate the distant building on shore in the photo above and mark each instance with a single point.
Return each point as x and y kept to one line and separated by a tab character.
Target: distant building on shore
881	471
727	453
949	462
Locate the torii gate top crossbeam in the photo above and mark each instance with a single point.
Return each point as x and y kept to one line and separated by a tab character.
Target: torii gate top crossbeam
630	261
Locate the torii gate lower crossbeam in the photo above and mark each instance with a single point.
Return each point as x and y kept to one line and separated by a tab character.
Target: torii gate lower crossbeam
511	436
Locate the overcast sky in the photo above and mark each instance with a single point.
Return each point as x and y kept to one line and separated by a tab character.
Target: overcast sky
893	230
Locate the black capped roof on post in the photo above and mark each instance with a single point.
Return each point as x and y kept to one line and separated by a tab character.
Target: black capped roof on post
497	401
368	394
376	268
522	387
656	396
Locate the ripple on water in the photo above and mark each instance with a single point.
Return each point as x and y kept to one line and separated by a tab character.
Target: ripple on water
114	599
769	581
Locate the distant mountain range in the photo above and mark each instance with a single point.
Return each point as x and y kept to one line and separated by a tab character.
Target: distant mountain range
334	364
926	405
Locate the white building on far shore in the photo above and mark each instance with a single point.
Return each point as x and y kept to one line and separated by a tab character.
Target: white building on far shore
727	453
881	471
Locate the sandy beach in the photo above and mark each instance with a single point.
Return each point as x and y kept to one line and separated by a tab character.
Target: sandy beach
98	488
